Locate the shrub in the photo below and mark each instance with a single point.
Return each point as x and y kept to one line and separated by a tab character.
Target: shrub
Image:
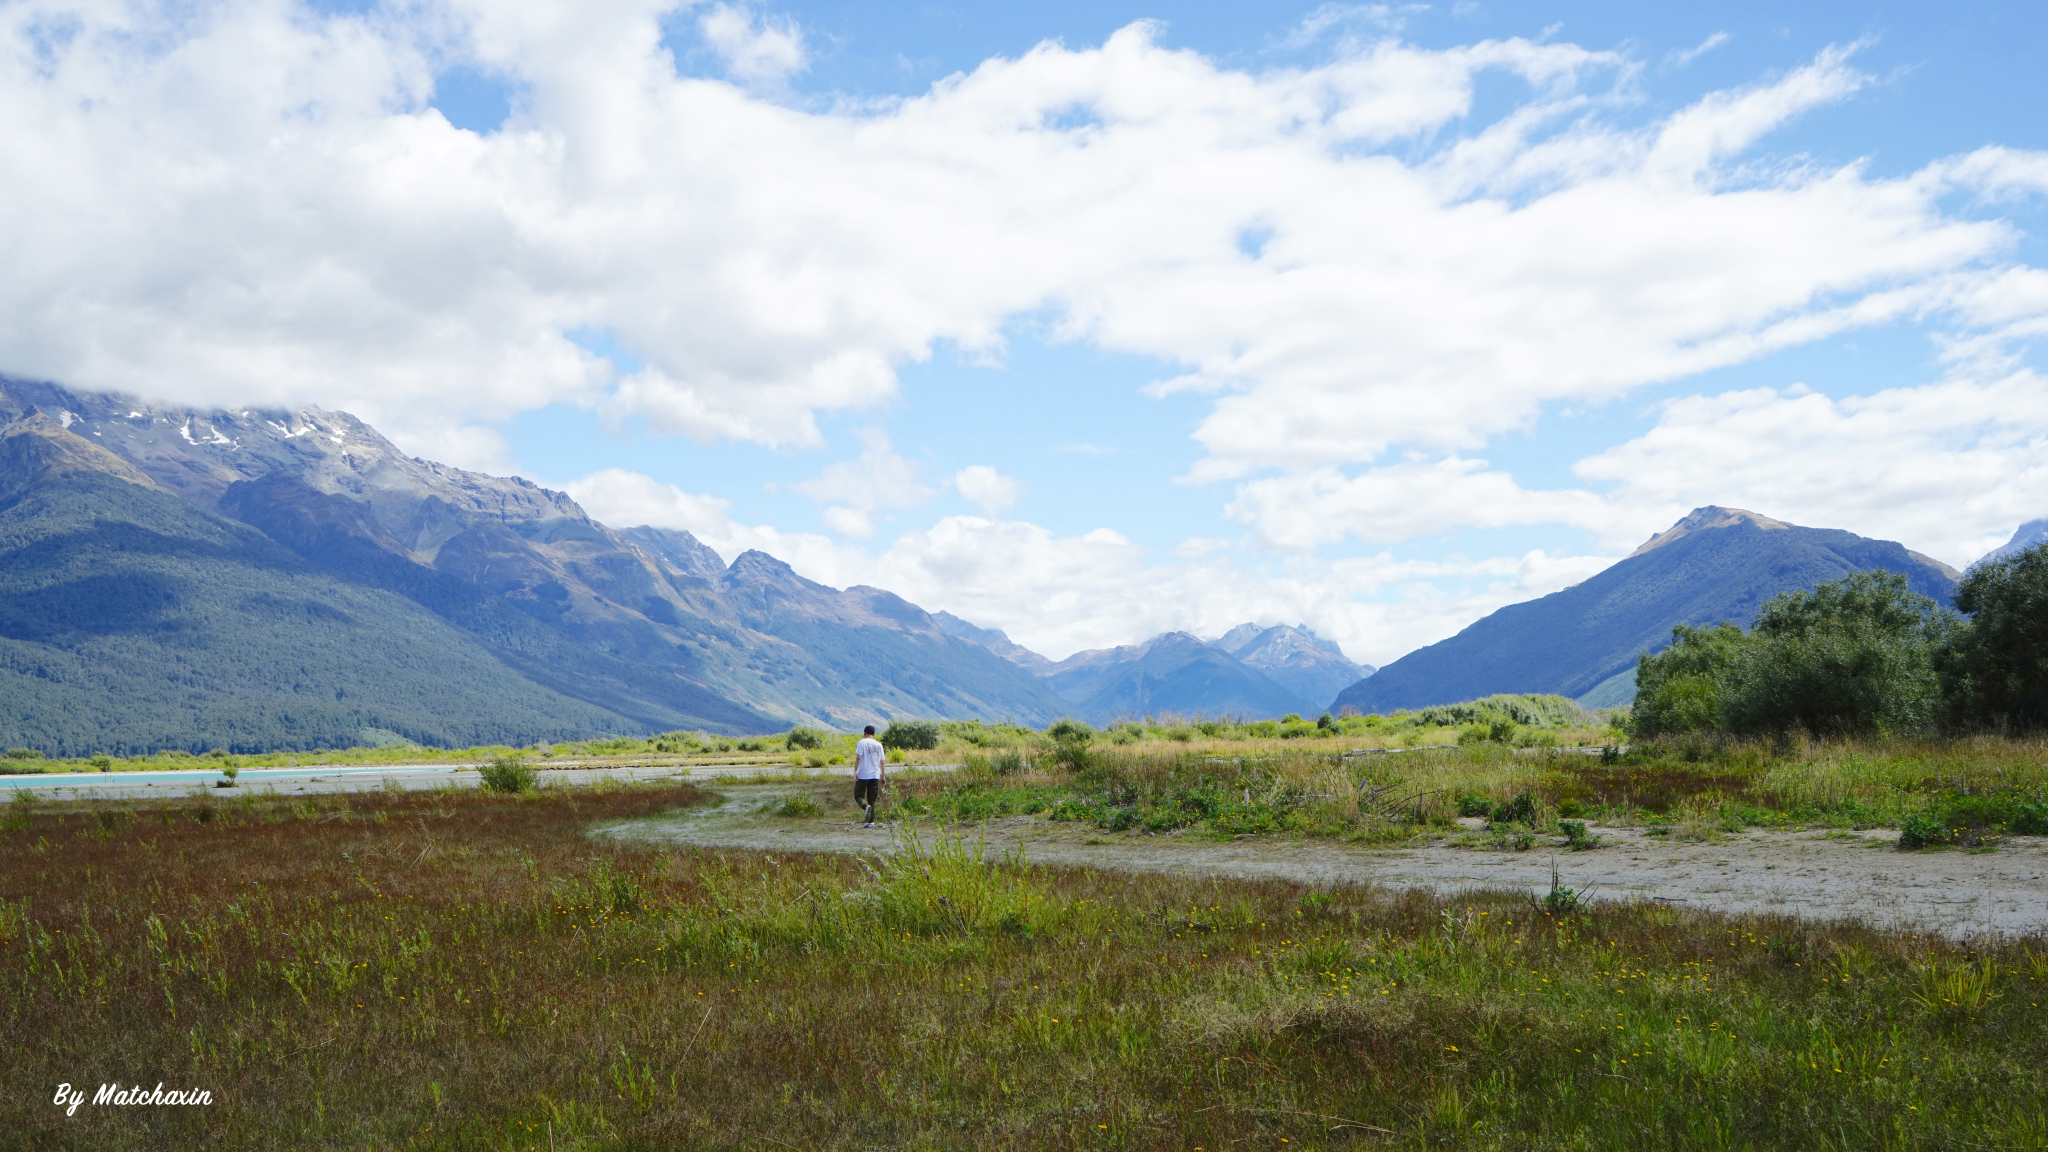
1520	810
509	774
803	738
799	807
1921	830
1561	901
23	754
917	734
1070	731
103	763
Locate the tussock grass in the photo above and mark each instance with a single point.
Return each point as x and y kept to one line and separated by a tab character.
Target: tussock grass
471	970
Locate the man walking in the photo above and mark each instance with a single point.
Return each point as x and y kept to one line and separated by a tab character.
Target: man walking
870	772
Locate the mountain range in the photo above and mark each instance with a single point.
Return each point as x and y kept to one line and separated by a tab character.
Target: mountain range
1249	671
1715	564
290	579
172	544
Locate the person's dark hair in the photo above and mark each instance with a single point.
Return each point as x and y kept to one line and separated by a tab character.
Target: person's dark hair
869	730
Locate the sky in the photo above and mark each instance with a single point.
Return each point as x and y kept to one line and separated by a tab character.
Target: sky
1085	322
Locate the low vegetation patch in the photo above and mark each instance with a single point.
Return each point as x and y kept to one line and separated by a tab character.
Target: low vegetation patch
430	970
1938	792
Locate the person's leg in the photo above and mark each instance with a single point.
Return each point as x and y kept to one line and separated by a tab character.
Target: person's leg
865	793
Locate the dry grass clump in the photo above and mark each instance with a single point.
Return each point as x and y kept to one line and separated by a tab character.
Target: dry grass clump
473	970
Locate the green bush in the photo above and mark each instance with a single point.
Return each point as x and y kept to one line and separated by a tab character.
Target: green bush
913	734
1070	731
23	754
509	774
800	808
1520	810
1994	670
1850	657
803	738
1921	830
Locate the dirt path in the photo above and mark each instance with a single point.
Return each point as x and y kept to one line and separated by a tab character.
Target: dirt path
1819	875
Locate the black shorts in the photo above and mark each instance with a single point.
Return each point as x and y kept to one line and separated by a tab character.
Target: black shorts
866	792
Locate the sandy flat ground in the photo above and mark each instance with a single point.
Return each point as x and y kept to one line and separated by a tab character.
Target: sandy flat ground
1814	874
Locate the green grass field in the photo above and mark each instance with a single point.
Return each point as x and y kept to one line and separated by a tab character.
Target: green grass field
444	970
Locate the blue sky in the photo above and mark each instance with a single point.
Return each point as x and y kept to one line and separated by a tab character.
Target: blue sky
1370	317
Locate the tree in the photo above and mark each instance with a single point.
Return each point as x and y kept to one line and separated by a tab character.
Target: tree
1680	688
919	734
1994	670
1854	656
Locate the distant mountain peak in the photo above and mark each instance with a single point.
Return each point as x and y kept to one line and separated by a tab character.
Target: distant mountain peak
1702	519
754	562
2029	534
1583	641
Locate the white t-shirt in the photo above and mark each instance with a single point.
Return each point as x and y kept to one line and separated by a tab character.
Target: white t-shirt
867	759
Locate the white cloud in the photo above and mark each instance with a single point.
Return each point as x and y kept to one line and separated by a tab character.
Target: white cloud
1948	468
242	201
984	486
1059	594
246	202
856	489
1679	58
1306	510
757	50
629	499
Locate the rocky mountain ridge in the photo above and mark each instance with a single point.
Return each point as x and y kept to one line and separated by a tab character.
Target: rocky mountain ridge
1251	670
481	550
